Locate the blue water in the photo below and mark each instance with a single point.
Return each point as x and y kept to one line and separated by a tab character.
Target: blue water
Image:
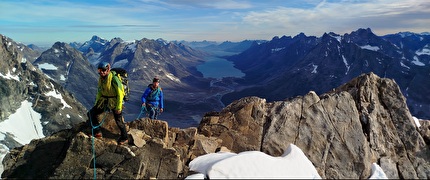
215	67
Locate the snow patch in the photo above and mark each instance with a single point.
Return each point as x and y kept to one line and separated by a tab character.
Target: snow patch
417	122
377	172
9	76
404	65
57	95
277	49
255	164
62	78
314	71
346	64
173	77
24	124
47	66
369	47
424	51
417	62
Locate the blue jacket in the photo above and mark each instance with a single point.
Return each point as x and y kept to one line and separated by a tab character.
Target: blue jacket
153	96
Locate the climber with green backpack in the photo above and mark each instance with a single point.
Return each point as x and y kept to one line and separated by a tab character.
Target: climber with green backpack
110	95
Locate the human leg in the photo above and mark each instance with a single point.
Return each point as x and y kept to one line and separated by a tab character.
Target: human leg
94	122
121	125
156	110
152	112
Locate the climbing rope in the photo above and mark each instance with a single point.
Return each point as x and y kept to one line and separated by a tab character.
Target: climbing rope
92	138
143	110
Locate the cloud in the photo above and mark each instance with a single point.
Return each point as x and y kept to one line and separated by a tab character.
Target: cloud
343	16
211	4
220	20
63	12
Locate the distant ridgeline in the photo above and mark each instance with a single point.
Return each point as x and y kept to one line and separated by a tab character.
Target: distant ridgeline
290	66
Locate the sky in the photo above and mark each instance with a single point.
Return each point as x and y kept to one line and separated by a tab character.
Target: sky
44	22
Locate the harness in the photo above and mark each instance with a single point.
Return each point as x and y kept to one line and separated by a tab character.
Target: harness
153	94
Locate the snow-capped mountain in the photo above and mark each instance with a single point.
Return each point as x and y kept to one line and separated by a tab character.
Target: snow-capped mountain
286	67
175	64
146	58
33	105
68	67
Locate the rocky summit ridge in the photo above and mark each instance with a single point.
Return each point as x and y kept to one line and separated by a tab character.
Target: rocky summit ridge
342	132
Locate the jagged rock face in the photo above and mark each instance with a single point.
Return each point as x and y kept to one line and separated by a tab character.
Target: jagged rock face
71	69
21	81
10	90
71	153
342	132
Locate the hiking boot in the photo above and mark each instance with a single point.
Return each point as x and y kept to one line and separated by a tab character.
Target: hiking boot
122	141
98	135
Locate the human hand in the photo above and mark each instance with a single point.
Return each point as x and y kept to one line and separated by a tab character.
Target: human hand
117	111
161	110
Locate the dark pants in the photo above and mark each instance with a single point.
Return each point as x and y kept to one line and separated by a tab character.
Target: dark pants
153	111
94	112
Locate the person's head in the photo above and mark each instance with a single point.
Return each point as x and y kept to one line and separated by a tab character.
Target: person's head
103	68
155	81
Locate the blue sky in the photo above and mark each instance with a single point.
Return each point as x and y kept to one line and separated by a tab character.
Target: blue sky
44	22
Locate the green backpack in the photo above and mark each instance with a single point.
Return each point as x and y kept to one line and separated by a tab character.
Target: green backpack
123	77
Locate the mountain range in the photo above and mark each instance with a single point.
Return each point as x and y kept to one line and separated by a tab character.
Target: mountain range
281	68
290	66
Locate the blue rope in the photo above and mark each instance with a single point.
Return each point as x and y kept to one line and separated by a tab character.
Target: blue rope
92	139
142	110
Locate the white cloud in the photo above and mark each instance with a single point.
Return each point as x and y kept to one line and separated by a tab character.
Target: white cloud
384	16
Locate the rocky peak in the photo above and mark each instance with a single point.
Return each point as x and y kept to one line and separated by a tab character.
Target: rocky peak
97	39
342	132
96	43
21	82
69	67
366	38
